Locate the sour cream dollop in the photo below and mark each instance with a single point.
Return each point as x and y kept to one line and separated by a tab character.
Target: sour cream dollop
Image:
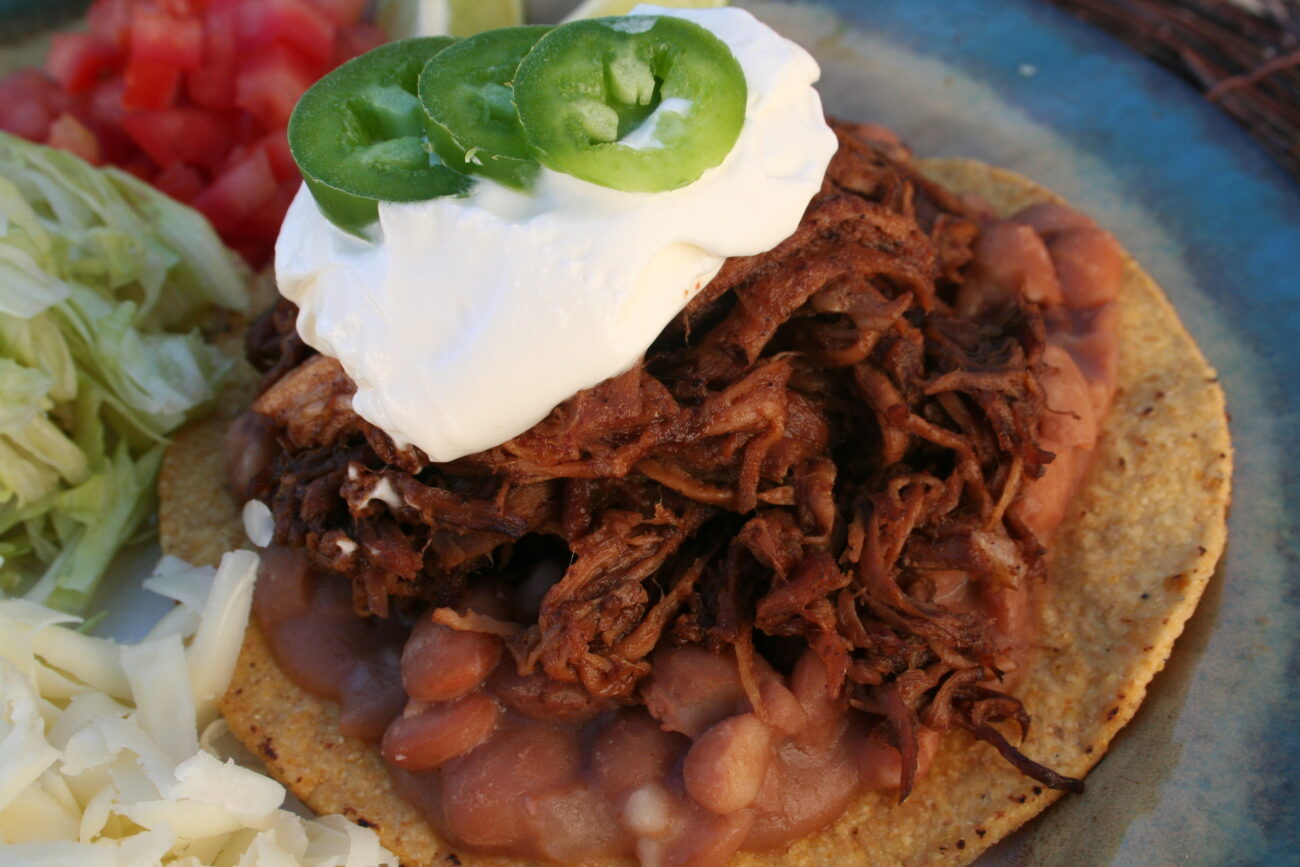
465	321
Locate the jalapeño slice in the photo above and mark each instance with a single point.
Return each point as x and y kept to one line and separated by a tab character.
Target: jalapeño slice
467	97
639	103
357	135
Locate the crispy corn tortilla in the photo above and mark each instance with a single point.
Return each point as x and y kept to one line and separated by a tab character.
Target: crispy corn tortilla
1128	567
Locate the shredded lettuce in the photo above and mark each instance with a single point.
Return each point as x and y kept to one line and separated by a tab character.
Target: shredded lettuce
104	283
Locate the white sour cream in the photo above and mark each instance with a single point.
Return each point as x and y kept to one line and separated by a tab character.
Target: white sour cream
465	321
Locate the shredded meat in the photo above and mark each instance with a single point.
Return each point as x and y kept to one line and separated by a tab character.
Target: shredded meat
814	438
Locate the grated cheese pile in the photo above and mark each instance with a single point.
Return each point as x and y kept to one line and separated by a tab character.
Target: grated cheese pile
101	761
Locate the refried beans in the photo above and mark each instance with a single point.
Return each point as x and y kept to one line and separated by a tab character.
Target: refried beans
708	602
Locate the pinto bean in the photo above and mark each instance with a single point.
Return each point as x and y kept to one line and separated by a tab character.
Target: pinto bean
1050	219
371	696
440	663
574	824
724	768
1044	501
690	689
1069	420
1090	266
881	765
1069	430
1015	258
1014	624
1094	346
708	842
317	653
809	685
804	789
541	697
633	751
784	712
1089	262
485	794
249	447
429	735
284	585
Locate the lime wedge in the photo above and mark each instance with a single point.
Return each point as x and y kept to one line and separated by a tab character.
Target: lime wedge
602	8
403	18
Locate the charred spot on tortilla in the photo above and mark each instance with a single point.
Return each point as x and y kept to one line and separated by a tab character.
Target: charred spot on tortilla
1081	677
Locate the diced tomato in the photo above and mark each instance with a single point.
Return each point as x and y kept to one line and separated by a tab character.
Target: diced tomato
276	145
163	39
140	166
150	86
218	141
29	103
237	193
256	253
268	86
293	23
69	134
249	130
220	34
265	223
212	85
181	134
78	60
105	102
356	41
184	7
101	111
344	13
180	181
111	20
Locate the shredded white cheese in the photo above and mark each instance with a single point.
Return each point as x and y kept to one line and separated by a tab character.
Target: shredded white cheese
101	757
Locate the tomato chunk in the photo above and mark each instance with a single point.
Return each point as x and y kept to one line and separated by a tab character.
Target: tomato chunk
268	86
276	145
163	39
213	84
78	61
181	134
292	23
150	86
111	20
343	13
265	222
180	181
191	95
29	102
238	193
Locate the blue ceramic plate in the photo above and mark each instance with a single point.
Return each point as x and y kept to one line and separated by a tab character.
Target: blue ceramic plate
1207	773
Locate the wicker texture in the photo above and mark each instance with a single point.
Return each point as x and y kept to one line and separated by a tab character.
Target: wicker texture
1244	55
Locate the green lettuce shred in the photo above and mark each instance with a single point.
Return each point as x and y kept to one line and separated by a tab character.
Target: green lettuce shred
104	284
